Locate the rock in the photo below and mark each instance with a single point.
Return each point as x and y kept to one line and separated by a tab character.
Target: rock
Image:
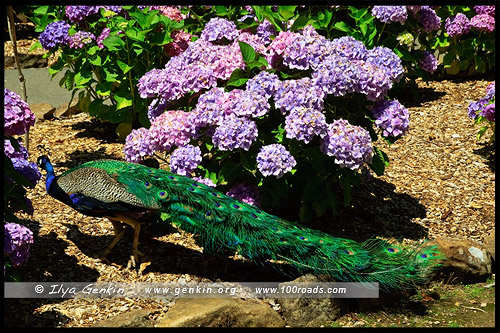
43	110
66	110
310	312
466	261
489	244
26	60
133	318
220	312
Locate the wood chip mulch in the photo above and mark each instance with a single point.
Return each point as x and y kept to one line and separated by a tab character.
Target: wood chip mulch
440	182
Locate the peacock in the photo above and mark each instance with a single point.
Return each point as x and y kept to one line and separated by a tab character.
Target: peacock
122	192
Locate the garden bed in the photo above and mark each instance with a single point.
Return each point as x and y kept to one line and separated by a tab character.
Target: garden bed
440	182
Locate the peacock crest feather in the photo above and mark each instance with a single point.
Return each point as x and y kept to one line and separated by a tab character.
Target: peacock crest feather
223	223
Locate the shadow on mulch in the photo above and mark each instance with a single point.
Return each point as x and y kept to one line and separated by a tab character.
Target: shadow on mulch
377	210
47	263
488	153
168	258
96	129
78	157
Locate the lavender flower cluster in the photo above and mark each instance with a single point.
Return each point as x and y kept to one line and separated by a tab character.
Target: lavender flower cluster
56	33
17	242
350	145
18	117
485	106
429	62
275	160
457	25
392	117
388	14
245	192
340	66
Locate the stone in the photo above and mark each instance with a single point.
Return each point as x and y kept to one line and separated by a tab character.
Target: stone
466	261
489	244
43	111
310	312
66	110
220	312
133	318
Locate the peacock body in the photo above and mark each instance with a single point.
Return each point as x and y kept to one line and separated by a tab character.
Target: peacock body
122	191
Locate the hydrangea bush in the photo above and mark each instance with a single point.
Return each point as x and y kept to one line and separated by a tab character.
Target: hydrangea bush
293	102
19	174
296	120
483	111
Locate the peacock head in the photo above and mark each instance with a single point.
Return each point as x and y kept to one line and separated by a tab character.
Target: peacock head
43	162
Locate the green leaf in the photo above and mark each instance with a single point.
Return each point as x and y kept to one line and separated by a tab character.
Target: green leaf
82	78
379	161
342	26
448	59
35	46
123	130
299	23
56	68
480	64
247	52
104	89
325	18
135	35
124	66
237	78
123	101
113	43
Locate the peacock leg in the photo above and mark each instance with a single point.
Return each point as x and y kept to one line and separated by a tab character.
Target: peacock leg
135	250
119	231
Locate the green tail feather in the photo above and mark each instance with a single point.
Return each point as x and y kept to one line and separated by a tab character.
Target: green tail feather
224	223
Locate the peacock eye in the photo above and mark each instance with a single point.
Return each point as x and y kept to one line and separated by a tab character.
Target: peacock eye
148	185
423	256
162	194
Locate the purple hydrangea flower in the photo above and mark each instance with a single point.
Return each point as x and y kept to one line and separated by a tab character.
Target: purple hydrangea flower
348	47
197	68
275	160
28	170
251	104
392	117
12	153
264	84
78	13
137	145
478	108
218	28
17	242
429	19
350	145
386	60
489	10
245	192
104	34
180	43
170	129
80	39
254	41
489	112
184	160
18	117
388	14
483	22
429	62
372	81
457	25
306	50
336	75
276	48
304	124
235	132
298	93
54	34
213	106
265	30
205	181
